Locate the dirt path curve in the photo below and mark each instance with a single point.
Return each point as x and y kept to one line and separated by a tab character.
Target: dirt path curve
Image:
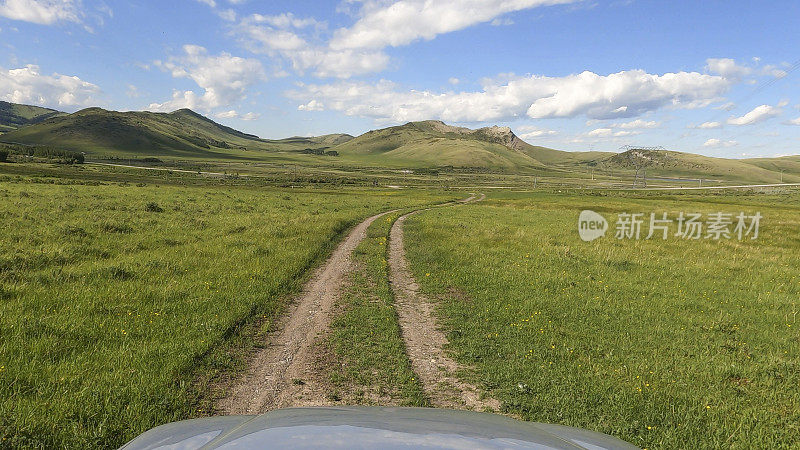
277	374
423	339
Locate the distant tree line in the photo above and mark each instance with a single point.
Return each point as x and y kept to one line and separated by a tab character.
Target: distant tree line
42	151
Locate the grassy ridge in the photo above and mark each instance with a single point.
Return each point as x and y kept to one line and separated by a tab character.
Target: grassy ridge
372	366
665	344
14	115
111	294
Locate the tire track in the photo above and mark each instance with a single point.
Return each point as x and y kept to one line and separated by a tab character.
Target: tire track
423	339
274	376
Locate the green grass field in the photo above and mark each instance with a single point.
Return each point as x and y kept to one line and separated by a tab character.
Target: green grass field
112	295
666	344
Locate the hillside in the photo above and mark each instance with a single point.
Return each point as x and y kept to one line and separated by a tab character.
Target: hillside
687	165
182	133
14	115
435	144
427	144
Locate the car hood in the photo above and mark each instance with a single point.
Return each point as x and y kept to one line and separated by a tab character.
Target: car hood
369	427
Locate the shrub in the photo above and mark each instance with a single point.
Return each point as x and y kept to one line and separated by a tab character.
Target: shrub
153	207
3	155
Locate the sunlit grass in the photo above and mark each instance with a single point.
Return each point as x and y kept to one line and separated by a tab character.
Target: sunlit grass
667	344
111	294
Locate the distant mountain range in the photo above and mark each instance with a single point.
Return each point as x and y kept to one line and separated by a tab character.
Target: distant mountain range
428	144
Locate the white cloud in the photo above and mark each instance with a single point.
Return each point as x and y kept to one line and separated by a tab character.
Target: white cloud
637	124
224	79
727	68
531	132
608	132
278	36
286	20
774	71
623	94
359	50
233	114
43	12
794	121
28	85
709	125
210	3
759	114
454	81
717	143
500	22
313	105
228	15
601	132
401	22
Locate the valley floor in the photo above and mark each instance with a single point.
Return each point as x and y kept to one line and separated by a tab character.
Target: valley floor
132	298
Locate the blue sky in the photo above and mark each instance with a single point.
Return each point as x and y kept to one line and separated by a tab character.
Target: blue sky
710	77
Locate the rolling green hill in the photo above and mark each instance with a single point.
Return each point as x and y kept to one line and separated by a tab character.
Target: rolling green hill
427	144
14	115
435	144
182	133
688	165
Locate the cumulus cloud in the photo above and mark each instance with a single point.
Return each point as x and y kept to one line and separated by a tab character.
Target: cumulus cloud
622	94
359	49
717	143
727	68
794	121
28	85
224	78
758	114
402	22
43	12
280	36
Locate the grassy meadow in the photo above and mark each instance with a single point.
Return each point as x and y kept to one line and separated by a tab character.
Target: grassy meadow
113	294
666	344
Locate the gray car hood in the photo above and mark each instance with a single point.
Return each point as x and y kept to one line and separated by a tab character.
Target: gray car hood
369	427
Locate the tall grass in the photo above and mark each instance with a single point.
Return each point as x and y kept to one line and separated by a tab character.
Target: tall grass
666	344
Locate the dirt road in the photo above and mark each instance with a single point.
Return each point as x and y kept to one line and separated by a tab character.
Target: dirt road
277	374
284	372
